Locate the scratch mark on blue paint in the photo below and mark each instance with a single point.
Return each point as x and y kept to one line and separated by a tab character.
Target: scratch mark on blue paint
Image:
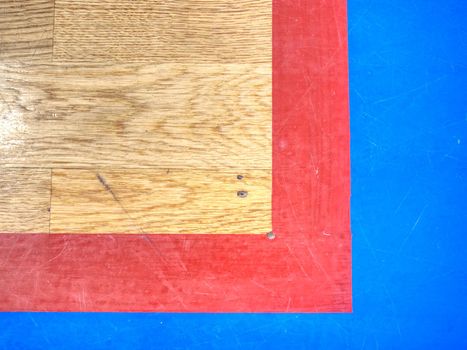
414	226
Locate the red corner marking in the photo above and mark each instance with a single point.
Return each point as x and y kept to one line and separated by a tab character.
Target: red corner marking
306	268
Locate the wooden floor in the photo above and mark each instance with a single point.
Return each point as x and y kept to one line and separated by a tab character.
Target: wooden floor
135	116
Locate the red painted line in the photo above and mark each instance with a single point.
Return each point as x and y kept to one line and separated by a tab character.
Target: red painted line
306	268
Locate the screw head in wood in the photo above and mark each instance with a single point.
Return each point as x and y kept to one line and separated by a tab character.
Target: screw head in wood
271	235
242	194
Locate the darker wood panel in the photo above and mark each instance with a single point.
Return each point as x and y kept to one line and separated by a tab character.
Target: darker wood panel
24	200
26	30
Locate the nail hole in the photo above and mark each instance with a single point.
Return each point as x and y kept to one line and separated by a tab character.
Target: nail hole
271	235
242	194
239	177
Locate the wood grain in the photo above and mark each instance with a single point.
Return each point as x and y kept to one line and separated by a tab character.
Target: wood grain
139	119
233	31
24	200
133	115
26	30
160	201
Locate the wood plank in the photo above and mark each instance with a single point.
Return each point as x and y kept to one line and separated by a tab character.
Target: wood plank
26	30
24	200
136	115
163	31
160	201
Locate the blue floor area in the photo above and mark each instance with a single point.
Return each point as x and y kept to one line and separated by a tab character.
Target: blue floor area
408	73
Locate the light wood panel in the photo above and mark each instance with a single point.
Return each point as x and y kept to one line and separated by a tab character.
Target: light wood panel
26	30
24	200
163	31
173	115
135	116
160	201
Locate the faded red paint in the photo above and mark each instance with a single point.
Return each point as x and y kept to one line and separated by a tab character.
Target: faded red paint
306	268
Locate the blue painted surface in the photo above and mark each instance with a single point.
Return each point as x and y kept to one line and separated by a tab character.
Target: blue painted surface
408	76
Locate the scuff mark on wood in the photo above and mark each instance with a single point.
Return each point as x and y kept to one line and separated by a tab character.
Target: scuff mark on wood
107	187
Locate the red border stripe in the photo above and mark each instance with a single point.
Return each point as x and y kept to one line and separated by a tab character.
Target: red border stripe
306	268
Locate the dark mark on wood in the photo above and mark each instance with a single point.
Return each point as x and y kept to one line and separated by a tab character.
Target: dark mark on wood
104	183
116	199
